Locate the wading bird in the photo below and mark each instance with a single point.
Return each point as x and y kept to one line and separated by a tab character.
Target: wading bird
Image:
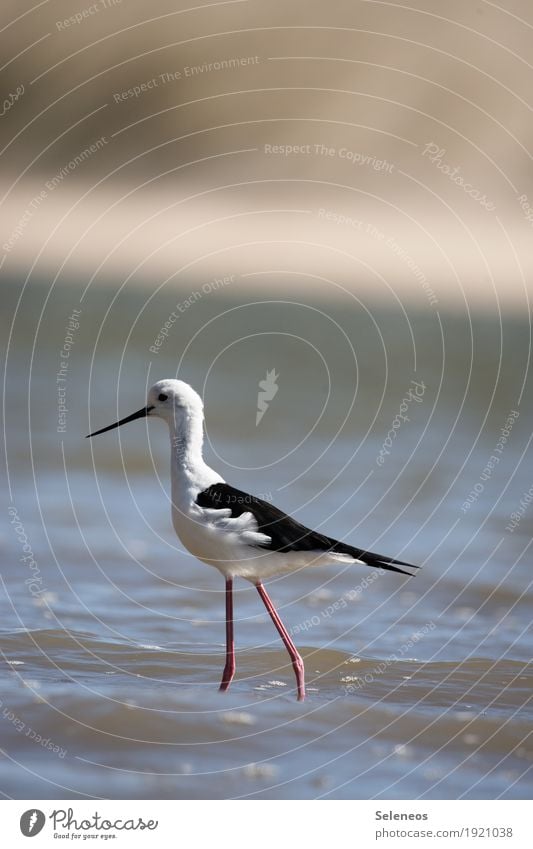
240	535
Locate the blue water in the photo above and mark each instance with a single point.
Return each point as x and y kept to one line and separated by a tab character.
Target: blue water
112	640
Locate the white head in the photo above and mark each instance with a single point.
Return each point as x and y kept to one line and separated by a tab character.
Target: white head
172	400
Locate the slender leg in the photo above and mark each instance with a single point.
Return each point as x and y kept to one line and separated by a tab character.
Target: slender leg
297	662
229	669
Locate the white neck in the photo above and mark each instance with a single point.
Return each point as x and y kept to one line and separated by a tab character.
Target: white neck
187	437
189	470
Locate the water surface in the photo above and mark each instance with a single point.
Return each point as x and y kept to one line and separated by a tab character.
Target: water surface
112	636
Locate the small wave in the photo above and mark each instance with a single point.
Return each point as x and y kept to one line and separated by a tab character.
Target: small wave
479	683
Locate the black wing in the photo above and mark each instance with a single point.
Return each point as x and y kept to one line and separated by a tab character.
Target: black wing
285	533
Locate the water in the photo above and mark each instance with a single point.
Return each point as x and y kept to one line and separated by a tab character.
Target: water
112	636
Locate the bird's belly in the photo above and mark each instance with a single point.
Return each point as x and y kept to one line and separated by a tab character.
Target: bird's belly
236	559
194	535
206	543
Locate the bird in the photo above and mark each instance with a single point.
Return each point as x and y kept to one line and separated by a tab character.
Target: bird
237	533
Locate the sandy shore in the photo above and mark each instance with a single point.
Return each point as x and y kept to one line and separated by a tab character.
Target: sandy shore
271	235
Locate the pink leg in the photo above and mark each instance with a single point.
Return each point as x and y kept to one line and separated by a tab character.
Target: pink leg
229	669
297	662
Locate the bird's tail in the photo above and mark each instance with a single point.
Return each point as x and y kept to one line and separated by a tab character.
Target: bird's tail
377	560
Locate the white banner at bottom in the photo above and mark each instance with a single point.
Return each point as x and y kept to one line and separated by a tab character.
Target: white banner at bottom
306	823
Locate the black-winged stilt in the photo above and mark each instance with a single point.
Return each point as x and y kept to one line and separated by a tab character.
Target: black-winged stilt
240	535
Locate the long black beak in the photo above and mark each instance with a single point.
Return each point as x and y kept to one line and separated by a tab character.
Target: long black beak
140	414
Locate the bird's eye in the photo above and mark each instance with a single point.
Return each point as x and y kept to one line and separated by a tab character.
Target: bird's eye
163	397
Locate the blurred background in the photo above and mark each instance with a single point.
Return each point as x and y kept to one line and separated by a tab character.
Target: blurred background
341	194
187	105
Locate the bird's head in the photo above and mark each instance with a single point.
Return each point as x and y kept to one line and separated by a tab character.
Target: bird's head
171	400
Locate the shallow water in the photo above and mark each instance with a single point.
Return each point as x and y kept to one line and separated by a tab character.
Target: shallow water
112	636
